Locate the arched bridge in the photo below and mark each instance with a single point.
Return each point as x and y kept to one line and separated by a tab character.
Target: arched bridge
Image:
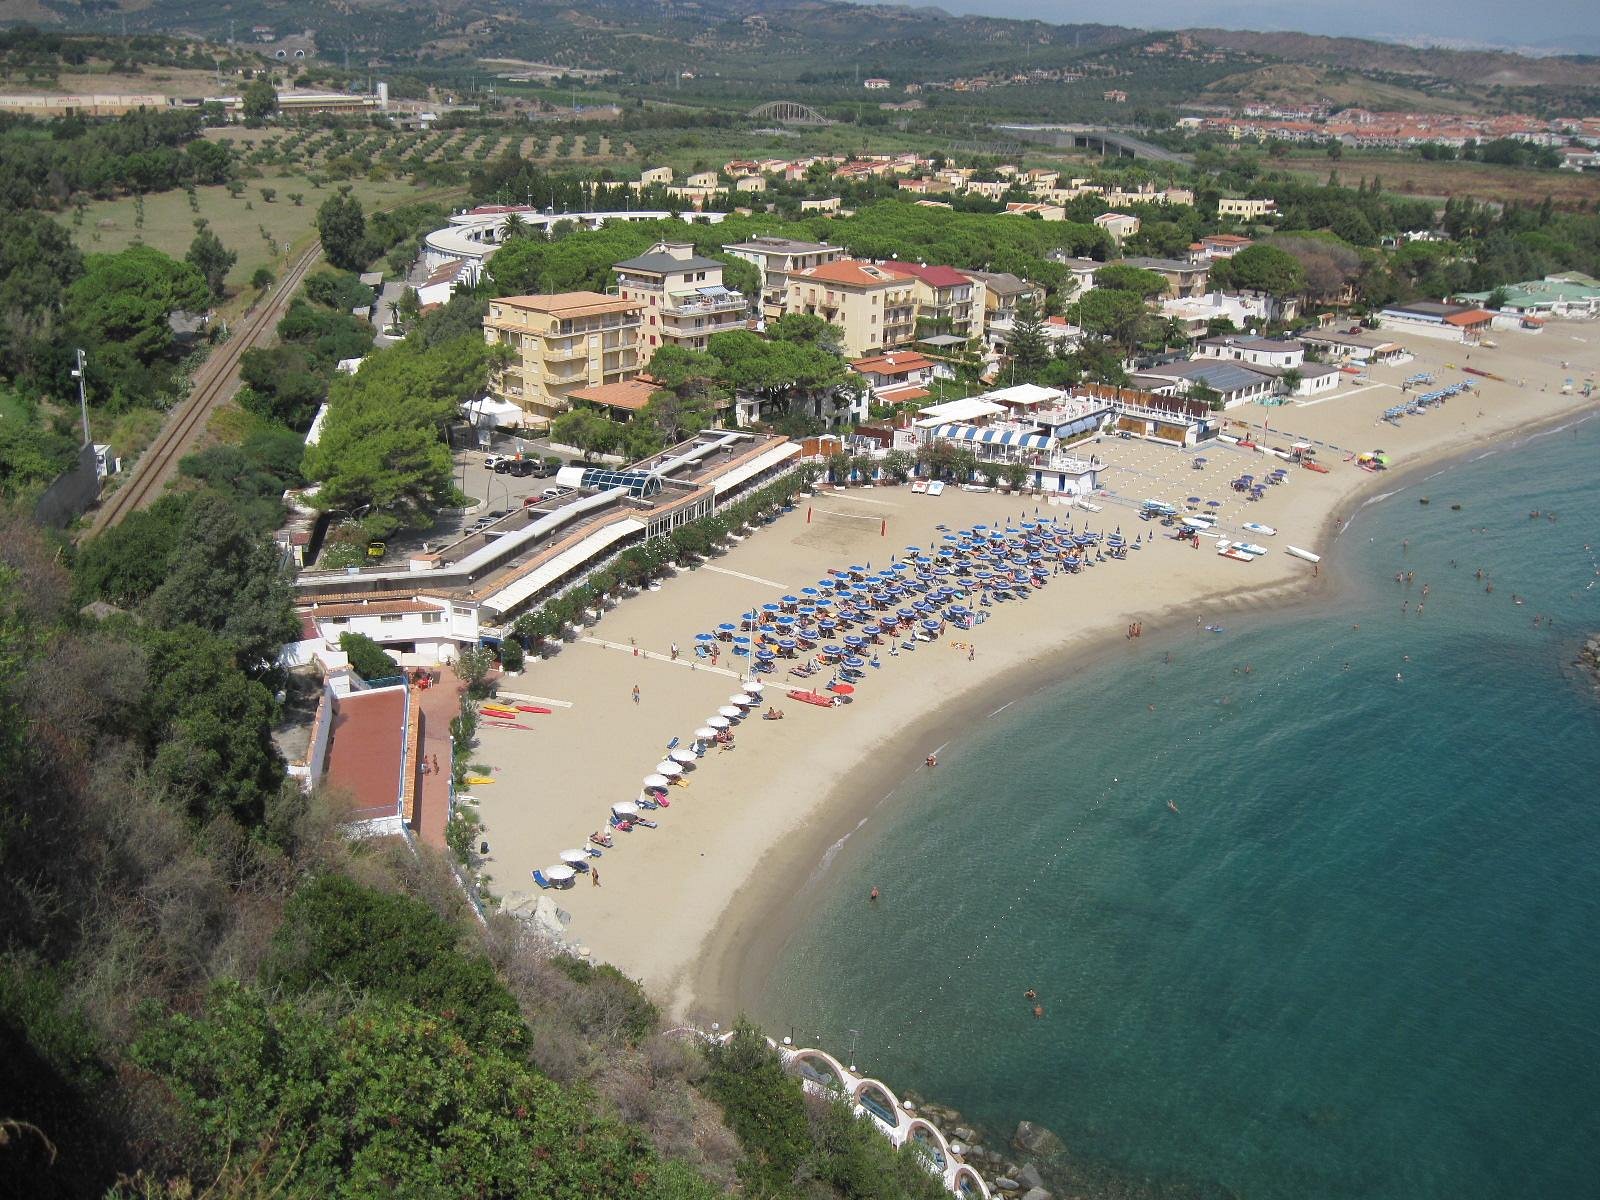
1093	137
788	112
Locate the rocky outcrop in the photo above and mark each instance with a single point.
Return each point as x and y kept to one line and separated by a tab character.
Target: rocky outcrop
1589	657
1036	1141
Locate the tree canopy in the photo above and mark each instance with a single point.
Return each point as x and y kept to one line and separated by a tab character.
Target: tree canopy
382	449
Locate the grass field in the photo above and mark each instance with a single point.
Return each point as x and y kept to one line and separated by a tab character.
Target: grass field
1438	180
169	220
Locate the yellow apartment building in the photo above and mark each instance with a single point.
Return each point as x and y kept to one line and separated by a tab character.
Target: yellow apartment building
561	343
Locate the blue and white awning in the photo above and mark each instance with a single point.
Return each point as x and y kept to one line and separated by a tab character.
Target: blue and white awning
994	437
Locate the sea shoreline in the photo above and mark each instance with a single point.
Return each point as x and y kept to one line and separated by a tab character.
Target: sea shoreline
728	973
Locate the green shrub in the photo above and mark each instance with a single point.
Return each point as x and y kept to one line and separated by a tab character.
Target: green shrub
367	658
337	933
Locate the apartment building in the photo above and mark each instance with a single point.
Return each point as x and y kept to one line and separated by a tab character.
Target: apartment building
946	300
1241	209
874	307
561	343
777	258
683	296
1119	225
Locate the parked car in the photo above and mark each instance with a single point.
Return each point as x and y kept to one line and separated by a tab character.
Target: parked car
551	493
523	467
504	465
492	462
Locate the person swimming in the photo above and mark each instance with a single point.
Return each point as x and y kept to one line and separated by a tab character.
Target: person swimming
1172	806
1030	994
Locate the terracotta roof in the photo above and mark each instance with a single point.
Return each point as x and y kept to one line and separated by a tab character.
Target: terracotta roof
572	304
892	363
850	272
903	394
932	276
377	608
1473	316
367	750
630	394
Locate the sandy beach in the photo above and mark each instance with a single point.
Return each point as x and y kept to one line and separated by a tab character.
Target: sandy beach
698	907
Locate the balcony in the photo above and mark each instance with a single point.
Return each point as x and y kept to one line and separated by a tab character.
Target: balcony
707	305
565	353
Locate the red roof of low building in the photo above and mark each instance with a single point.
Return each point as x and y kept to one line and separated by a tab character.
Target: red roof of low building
366	750
1473	316
631	394
893	363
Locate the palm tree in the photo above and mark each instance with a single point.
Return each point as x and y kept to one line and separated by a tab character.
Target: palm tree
513	227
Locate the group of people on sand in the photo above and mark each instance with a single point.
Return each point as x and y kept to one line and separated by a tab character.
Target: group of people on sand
1136	629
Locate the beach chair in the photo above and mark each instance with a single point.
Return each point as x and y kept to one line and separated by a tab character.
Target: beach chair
538	877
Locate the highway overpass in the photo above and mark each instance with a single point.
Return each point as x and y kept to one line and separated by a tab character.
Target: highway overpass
1094	137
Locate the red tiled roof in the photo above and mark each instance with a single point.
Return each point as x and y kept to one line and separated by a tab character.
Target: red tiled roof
367	749
932	276
631	394
1473	316
376	608
850	272
892	363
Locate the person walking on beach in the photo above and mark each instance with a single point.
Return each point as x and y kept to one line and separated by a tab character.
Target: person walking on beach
636	693
594	876
674	651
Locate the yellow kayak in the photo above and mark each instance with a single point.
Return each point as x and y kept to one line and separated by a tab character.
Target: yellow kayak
478	780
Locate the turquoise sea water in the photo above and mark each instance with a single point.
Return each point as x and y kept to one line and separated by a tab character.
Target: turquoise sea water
1362	960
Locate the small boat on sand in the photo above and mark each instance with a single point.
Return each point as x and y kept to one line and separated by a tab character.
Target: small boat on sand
1198	522
1236	554
1250	548
1257	527
1305	554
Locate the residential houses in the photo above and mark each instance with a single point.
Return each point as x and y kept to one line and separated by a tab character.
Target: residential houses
1118	226
561	343
1240	208
684	299
1183	278
777	258
897	377
873	307
947	301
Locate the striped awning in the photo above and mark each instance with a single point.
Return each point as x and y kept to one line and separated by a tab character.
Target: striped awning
994	437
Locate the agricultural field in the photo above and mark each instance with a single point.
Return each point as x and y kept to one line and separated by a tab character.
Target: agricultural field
1440	180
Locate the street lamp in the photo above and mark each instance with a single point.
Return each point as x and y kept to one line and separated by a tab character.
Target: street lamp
83	400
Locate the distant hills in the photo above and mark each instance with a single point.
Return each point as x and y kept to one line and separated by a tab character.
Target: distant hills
771	41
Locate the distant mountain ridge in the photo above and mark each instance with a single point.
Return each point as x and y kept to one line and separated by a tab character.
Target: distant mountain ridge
767	40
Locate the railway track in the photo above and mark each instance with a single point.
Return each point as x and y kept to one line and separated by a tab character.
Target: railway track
213	384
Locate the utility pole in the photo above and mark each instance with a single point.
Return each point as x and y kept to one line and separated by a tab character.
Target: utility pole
83	399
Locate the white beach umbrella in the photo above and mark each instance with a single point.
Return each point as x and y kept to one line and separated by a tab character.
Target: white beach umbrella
573	856
668	768
717	722
655	781
729	711
705	733
559	874
625	808
755	687
740	700
682	756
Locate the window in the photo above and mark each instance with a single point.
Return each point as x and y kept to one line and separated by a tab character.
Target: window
389	618
432	618
462	610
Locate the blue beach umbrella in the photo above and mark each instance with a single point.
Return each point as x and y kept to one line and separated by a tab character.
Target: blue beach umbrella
705	637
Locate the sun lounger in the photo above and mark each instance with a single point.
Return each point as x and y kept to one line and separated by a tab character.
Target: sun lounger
816	698
647	824
538	877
